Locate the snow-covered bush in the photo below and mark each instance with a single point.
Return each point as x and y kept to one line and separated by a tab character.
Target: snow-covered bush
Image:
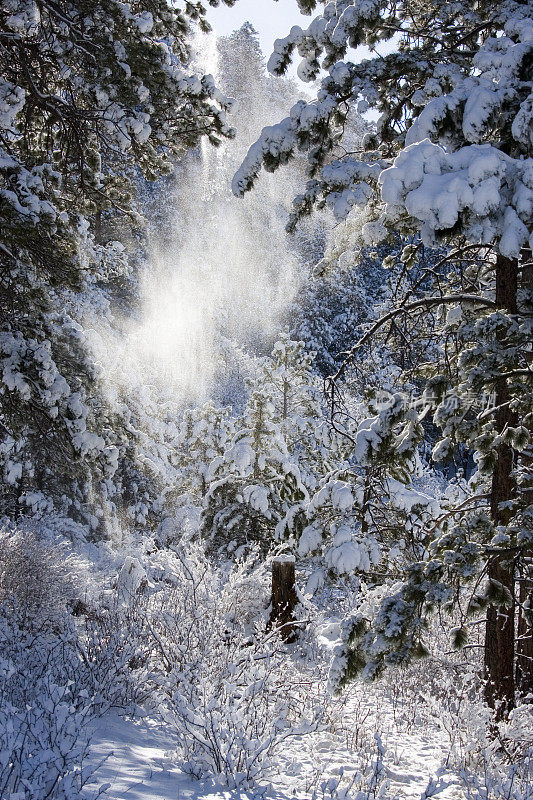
44	714
115	658
223	681
509	782
505	766
48	693
37	577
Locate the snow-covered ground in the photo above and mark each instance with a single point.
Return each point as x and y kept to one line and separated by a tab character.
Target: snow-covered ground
141	761
138	763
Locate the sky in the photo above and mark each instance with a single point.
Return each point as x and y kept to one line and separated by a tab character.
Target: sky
272	20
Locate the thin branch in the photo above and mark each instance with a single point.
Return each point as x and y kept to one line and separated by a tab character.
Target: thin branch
425	302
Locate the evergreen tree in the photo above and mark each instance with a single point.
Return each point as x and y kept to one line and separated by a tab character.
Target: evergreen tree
243	69
336	302
91	92
244	77
252	484
281	447
297	397
205	435
366	514
450	160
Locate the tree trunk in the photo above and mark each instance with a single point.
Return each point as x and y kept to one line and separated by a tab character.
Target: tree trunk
500	647
500	627
284	597
524	640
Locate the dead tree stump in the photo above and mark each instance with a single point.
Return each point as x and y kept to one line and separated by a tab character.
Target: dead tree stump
284	597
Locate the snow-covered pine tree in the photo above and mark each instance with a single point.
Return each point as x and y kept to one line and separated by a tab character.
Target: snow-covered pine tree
90	92
252	485
206	433
281	448
244	77
365	516
243	68
450	159
297	396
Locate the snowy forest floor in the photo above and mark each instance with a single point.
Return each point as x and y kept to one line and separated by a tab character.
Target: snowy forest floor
141	765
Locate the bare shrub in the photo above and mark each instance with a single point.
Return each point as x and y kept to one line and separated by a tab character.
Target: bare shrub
370	783
224	683
45	715
45	706
37	578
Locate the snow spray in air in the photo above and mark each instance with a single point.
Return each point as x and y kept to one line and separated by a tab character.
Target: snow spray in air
220	273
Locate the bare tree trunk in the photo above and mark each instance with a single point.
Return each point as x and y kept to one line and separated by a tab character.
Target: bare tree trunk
500	628
284	597
500	647
524	641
